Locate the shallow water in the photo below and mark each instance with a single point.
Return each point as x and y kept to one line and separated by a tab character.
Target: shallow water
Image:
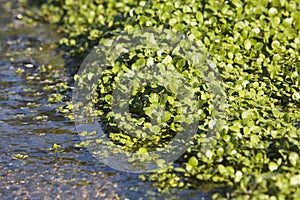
71	172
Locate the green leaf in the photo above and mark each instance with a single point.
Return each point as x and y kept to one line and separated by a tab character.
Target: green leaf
167	116
154	98
294	158
142	151
108	98
272	166
193	162
141	62
295	180
155	129
254	139
247	44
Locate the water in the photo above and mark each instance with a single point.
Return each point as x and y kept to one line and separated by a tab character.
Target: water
71	172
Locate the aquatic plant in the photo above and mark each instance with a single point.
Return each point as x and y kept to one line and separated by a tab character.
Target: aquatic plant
255	45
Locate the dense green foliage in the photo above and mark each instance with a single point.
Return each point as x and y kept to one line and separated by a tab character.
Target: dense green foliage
255	45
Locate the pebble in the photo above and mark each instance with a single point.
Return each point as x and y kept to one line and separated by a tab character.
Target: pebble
29	65
19	16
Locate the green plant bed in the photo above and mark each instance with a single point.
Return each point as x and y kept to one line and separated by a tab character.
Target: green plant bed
255	45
